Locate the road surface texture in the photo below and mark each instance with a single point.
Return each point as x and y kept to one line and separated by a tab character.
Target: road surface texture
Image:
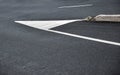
28	51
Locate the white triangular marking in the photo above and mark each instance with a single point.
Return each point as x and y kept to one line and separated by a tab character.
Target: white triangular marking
47	25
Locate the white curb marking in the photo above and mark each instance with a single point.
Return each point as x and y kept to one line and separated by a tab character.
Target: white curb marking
47	25
75	6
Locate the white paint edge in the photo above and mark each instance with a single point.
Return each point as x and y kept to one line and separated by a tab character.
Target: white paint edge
75	6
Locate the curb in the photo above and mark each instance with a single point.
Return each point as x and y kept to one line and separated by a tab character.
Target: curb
103	17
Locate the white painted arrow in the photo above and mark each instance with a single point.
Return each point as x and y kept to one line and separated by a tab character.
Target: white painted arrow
47	25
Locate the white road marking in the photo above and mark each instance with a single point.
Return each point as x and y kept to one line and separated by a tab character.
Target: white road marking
86	38
47	25
75	6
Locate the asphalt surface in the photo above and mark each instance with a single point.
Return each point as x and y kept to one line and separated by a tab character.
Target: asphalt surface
28	51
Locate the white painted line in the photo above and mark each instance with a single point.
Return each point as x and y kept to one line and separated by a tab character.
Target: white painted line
76	6
86	38
40	25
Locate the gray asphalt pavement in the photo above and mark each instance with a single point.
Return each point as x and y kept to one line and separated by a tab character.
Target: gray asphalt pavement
28	51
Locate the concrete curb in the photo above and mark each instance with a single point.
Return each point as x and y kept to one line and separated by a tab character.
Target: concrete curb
103	17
